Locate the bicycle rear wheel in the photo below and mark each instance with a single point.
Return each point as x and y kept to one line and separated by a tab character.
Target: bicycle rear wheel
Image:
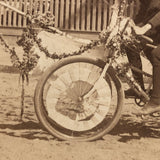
60	105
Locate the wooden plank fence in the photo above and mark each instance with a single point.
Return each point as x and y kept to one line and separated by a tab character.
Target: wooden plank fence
74	15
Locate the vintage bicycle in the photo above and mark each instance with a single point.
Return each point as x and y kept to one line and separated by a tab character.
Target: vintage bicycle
81	98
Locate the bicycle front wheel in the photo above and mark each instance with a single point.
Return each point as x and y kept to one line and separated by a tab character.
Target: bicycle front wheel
60	104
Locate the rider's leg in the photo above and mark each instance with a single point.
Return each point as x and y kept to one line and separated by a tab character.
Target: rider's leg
135	60
154	103
155	97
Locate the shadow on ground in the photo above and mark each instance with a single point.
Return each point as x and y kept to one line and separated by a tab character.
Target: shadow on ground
128	129
29	130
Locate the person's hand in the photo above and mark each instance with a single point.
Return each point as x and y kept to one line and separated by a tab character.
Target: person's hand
142	30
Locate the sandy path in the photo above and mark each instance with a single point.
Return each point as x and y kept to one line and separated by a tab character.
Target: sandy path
130	140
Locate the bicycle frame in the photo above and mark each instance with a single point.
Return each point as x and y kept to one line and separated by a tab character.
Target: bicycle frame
120	68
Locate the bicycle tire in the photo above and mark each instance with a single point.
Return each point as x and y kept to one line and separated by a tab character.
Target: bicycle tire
62	132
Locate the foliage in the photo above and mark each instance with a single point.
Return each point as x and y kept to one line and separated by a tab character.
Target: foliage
111	37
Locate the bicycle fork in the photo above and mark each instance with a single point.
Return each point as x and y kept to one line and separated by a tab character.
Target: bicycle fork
102	76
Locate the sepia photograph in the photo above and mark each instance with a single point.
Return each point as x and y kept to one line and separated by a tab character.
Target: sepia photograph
80	79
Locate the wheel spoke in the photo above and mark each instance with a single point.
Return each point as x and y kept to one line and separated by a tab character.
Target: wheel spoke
70	115
58	84
66	79
73	87
97	118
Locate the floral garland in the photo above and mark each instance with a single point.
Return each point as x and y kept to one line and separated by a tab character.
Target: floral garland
29	39
32	37
81	50
28	62
30	58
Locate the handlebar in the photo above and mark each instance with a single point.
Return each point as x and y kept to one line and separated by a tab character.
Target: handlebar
146	38
151	46
148	41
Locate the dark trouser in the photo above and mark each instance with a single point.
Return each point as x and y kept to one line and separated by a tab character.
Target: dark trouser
154	58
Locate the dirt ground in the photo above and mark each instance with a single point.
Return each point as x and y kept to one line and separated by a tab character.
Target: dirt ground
132	139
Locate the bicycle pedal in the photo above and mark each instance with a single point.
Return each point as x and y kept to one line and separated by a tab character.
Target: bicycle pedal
156	114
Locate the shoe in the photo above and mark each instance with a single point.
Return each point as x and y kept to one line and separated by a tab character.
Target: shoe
148	109
130	93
